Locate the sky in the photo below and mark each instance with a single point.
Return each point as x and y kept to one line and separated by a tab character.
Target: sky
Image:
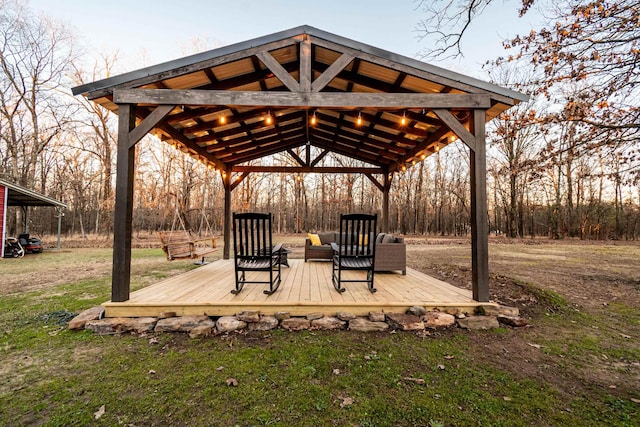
148	32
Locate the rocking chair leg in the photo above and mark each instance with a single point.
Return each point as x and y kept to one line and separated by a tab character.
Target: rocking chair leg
239	283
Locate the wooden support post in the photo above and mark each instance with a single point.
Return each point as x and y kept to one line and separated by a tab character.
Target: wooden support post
125	169
226	182
479	219
385	202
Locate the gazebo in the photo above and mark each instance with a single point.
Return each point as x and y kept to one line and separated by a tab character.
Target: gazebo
294	90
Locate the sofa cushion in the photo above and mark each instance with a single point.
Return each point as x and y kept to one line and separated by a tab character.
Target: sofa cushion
315	239
327	238
388	238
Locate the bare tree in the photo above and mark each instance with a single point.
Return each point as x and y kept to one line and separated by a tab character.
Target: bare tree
35	56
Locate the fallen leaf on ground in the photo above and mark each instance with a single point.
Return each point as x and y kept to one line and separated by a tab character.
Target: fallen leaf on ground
99	413
219	368
336	372
346	401
441	367
635	400
506	398
538	346
232	382
419	381
449	357
152	372
153	340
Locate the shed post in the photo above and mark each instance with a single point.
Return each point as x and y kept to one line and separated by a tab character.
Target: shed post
125	169
479	218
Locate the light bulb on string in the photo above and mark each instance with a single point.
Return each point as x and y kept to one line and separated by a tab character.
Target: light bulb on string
269	119
313	118
359	120
403	120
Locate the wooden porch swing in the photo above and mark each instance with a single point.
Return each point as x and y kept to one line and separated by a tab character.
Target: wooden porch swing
182	243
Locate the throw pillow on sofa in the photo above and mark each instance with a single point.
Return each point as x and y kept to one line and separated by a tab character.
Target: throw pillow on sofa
315	239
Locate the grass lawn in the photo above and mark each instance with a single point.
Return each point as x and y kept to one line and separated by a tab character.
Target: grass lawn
578	364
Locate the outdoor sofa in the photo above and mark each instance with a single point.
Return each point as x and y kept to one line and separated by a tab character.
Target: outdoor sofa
391	251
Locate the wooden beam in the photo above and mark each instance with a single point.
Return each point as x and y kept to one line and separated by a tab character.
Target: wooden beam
479	215
307	169
279	71
374	181
346	100
276	146
385	200
197	66
456	127
226	182
123	212
191	145
238	180
149	123
331	72
296	157
248	128
317	159
305	65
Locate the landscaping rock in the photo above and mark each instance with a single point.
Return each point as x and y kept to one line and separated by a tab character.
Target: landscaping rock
104	326
343	315
117	325
167	314
229	324
478	322
281	315
417	310
515	321
295	324
183	323
377	316
454	311
361	324
328	323
314	316
249	316
266	323
436	319
405	322
497	310
201	331
78	322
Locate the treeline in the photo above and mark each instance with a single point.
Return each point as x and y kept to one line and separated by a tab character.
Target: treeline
432	198
565	164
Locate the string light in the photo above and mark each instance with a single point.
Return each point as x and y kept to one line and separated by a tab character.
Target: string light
359	121
313	118
403	120
404	168
223	120
423	156
269	119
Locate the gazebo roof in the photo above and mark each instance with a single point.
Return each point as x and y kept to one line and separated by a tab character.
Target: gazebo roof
303	87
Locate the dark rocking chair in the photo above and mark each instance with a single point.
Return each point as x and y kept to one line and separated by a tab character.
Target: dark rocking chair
253	250
355	249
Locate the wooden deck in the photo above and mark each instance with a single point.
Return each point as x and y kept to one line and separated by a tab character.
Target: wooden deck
305	288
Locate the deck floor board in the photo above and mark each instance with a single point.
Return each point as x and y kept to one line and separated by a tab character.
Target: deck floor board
306	287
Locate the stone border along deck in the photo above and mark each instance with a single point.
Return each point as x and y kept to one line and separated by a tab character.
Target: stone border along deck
415	319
